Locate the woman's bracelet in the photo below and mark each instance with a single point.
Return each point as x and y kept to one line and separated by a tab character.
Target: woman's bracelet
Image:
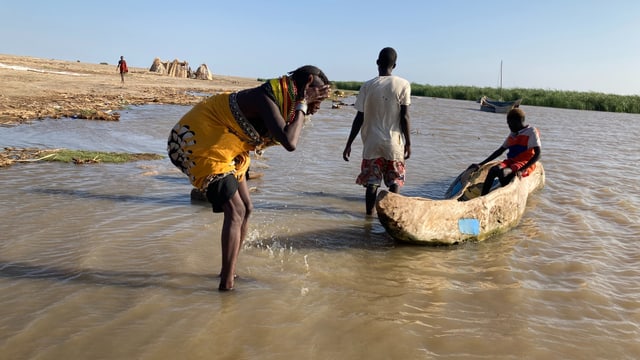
302	106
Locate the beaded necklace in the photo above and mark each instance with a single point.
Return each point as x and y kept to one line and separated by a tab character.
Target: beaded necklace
284	93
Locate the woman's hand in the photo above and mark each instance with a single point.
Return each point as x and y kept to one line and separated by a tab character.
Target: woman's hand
317	93
314	107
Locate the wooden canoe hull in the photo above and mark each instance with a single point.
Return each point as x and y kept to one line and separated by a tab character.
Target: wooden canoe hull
449	221
495	106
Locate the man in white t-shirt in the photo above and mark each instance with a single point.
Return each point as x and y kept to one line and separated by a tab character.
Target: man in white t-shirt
383	117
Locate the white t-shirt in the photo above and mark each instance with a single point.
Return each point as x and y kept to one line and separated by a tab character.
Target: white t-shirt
380	99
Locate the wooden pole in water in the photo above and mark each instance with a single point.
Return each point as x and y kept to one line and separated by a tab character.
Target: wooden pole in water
500	79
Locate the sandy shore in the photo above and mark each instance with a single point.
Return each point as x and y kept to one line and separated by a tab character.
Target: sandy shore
34	88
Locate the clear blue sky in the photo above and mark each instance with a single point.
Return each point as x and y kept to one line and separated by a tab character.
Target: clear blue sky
548	44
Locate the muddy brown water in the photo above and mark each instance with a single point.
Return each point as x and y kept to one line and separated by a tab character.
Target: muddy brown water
115	261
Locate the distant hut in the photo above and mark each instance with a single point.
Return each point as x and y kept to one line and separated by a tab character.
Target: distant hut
158	67
179	69
203	73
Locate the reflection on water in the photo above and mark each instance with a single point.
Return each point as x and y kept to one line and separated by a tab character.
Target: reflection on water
97	255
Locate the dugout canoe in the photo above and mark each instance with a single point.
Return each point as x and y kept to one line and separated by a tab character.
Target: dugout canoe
462	215
496	106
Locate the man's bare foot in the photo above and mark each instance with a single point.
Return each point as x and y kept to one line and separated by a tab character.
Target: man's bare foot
235	276
226	284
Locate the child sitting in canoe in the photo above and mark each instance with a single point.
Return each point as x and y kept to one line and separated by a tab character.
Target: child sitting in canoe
523	144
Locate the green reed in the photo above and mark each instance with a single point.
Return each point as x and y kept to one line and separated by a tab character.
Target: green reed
83	156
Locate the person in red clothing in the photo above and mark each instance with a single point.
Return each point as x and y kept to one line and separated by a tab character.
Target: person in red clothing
122	66
523	144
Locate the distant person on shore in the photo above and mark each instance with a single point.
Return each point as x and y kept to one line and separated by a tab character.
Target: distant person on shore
211	145
122	67
523	144
383	116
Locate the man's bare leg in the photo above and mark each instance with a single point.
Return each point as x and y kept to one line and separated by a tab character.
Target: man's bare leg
370	198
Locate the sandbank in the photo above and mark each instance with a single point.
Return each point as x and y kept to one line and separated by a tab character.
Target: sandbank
35	88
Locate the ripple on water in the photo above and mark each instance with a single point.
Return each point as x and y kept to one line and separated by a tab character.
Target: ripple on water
125	257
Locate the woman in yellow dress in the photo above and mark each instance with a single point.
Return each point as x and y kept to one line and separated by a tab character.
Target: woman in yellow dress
211	145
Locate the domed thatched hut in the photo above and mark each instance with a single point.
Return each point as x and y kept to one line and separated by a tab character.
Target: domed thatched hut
203	73
177	68
158	67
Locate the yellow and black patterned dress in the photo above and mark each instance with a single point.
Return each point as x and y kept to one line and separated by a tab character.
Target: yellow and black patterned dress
214	138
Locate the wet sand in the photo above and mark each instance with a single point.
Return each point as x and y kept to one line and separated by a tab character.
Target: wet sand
35	88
